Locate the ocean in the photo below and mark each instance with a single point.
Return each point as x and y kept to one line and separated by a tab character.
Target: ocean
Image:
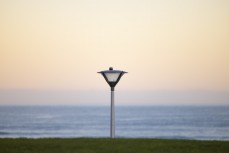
172	122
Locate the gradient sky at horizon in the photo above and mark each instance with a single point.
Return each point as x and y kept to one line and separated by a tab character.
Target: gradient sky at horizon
59	45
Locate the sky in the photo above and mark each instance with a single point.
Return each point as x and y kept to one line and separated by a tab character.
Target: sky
175	52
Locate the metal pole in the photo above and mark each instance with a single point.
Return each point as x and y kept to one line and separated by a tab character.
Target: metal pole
112	114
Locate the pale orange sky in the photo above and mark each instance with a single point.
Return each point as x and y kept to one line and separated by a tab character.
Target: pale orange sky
164	45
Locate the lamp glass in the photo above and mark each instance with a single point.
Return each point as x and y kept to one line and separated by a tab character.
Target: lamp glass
112	77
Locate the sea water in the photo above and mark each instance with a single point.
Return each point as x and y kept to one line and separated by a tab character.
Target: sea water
175	122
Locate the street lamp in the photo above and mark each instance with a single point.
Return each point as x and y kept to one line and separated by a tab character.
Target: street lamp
112	77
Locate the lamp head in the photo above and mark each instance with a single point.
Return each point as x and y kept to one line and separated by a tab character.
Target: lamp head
112	76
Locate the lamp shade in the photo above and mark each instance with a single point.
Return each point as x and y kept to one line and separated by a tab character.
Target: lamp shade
112	76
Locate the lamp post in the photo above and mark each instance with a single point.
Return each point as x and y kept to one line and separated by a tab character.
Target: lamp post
112	77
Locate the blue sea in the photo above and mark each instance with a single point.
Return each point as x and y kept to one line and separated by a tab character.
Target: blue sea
172	122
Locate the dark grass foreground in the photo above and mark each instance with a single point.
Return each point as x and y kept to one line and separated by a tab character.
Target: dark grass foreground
106	145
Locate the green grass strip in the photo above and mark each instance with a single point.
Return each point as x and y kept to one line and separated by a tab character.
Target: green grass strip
106	145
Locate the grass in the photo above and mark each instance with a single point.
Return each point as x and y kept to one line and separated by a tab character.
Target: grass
106	145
